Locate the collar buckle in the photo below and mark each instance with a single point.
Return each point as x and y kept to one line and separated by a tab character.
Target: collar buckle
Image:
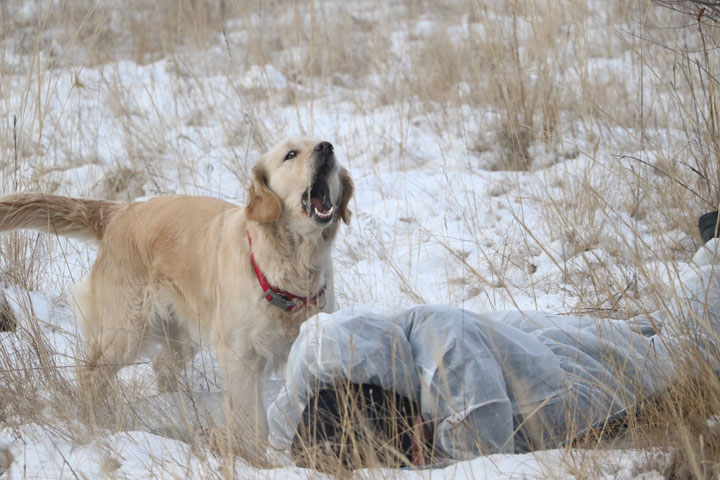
279	300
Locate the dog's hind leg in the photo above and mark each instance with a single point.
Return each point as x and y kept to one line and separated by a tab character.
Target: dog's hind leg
177	349
108	351
115	323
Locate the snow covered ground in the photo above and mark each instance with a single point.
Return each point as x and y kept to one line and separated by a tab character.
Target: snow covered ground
430	108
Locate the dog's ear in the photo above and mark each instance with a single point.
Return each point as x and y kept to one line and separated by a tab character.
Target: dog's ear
263	205
348	188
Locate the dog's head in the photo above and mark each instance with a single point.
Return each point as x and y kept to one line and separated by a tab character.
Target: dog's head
300	183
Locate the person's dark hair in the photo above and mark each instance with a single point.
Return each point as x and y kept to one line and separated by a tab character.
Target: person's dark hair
355	426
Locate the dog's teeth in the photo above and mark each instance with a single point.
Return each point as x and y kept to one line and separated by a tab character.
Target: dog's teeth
323	214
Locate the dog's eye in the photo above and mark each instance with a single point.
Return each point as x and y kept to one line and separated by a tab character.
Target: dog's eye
291	154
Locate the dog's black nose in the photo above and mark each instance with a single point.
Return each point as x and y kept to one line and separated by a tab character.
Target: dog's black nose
324	147
324	157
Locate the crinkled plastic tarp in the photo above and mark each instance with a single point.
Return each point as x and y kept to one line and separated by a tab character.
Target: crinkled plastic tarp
478	377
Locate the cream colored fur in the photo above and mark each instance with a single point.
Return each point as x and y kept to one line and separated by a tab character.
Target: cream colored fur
177	270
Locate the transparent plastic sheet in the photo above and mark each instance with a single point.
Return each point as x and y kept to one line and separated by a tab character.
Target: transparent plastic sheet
497	381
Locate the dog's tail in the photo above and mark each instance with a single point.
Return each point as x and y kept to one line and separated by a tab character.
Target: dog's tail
53	214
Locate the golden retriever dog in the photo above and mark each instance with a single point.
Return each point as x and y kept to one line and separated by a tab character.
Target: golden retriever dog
183	270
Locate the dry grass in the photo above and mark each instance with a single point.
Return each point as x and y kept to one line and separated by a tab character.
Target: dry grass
627	91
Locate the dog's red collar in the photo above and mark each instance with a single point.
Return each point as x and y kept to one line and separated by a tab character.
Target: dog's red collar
280	298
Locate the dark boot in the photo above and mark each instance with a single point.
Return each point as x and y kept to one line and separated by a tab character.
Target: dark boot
708	226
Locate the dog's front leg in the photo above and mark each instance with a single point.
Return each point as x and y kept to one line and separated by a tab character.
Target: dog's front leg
246	423
329	306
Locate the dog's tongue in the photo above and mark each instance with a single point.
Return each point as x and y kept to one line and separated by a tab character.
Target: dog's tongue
319	204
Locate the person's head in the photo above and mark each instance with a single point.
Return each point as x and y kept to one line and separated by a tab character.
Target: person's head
356	426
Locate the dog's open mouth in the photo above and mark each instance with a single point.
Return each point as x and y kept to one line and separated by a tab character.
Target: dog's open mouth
316	201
